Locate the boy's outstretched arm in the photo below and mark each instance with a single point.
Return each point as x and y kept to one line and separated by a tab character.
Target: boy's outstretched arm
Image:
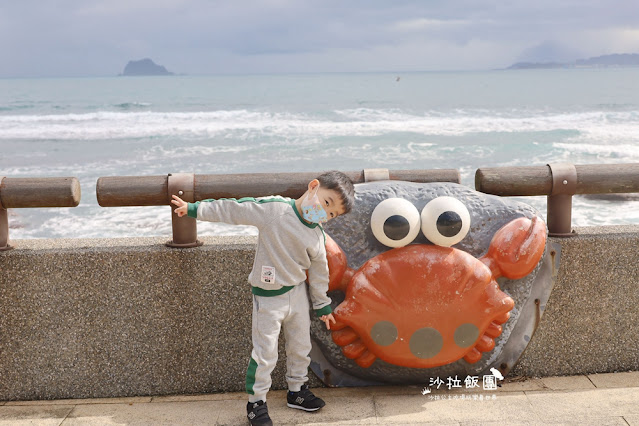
245	211
182	206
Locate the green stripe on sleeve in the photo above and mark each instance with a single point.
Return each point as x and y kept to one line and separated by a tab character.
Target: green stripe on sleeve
192	209
324	311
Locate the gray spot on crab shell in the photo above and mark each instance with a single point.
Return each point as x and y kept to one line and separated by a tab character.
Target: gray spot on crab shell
353	234
426	343
466	335
384	333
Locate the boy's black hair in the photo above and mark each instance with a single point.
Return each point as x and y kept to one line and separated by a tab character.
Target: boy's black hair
340	183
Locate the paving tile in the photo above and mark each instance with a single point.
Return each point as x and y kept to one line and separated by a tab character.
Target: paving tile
338	410
586	421
501	423
396	390
597	403
502	386
159	414
201	397
127	400
567	382
623	400
615	380
504	408
632	420
520	386
38	416
372	422
342	410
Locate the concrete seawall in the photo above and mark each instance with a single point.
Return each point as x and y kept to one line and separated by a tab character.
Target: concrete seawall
127	317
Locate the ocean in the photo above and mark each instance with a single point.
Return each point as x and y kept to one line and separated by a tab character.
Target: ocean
138	126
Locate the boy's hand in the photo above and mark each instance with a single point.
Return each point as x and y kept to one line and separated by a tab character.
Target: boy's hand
182	208
327	320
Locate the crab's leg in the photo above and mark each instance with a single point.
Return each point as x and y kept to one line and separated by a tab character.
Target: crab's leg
344	336
366	359
354	350
502	318
486	342
493	330
473	356
338	324
353	347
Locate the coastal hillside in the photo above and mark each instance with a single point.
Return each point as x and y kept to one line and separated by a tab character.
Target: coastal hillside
604	61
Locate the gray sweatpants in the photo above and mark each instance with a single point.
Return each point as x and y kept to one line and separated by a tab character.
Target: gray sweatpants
288	311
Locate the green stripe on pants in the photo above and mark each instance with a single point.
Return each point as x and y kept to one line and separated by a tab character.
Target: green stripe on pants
250	376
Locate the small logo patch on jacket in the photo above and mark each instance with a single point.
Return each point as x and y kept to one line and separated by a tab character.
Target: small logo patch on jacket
268	274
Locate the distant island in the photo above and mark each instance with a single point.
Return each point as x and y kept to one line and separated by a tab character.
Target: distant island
144	67
605	61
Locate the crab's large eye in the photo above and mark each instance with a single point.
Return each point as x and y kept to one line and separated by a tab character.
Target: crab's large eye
445	221
395	222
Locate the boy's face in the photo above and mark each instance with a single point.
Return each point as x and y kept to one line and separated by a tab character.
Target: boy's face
330	200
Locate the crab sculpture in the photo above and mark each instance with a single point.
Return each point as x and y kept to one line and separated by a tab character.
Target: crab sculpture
425	306
452	290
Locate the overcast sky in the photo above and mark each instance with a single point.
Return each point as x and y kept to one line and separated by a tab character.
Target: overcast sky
98	37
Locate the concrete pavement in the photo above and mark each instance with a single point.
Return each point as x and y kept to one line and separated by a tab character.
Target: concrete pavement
594	399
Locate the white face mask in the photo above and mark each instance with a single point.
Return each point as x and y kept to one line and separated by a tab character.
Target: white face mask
312	209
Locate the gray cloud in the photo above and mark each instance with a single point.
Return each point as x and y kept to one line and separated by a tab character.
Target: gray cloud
91	37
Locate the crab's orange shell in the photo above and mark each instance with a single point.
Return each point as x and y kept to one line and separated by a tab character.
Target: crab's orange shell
423	306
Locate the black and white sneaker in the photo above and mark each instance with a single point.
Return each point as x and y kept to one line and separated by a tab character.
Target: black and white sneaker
257	414
304	400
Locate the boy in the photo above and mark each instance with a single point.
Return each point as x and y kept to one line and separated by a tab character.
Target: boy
291	241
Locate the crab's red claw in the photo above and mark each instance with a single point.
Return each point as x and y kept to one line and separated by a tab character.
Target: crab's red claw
344	336
473	356
516	248
366	359
486	343
339	274
338	324
353	347
354	350
493	330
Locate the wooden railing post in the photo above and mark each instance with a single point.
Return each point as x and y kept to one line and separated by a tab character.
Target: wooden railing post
4	223
184	228
559	202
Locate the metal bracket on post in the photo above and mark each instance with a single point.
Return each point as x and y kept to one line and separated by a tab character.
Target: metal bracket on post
559	204
4	223
184	228
371	175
